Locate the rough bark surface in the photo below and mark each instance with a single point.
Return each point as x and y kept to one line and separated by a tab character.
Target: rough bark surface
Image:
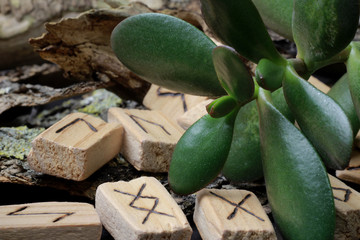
20	20
81	47
22	87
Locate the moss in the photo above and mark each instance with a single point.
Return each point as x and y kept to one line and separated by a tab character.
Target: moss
16	142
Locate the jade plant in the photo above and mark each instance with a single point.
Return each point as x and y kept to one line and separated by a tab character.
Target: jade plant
250	131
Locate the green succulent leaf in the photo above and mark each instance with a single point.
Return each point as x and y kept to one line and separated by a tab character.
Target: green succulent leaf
340	92
167	51
243	163
200	153
277	15
269	75
297	184
221	107
279	102
233	75
353	70
321	119
244	160
238	24
322	28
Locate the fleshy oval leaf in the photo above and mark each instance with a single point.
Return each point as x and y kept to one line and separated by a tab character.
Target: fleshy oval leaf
269	75
297	184
239	25
322	28
321	119
277	15
243	163
244	160
167	51
221	107
340	92
353	71
233	75
200	153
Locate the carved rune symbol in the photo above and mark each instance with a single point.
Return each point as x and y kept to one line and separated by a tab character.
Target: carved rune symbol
138	196
133	117
160	94
346	195
237	206
75	121
17	213
353	168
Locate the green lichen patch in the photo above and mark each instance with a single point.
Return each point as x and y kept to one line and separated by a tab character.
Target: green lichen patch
16	142
96	103
99	101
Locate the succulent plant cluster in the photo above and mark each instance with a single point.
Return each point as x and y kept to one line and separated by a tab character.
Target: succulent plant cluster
249	132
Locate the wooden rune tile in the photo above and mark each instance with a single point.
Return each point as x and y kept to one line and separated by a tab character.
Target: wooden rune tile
318	84
140	209
347	205
149	138
171	103
231	214
352	172
49	221
193	114
75	147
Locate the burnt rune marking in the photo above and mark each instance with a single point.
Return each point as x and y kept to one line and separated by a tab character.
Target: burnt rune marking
133	117
160	94
353	168
237	206
138	196
17	213
75	121
346	195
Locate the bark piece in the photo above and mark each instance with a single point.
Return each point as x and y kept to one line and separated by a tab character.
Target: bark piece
140	209
149	139
231	214
27	95
172	104
352	172
193	114
75	147
81	46
347	204
21	20
50	220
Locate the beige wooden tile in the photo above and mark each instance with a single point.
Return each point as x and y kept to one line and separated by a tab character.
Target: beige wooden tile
171	103
231	214
49	220
193	114
352	172
319	85
140	209
75	147
347	205
149	139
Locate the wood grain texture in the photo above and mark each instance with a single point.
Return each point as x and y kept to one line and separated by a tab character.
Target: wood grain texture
172	104
318	84
347	204
49	220
140	209
193	114
352	172
149	138
231	214
75	147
